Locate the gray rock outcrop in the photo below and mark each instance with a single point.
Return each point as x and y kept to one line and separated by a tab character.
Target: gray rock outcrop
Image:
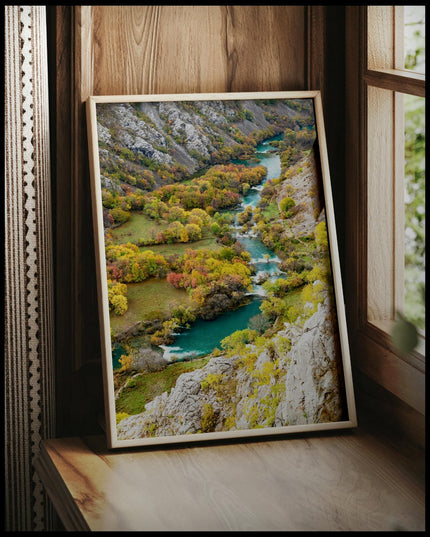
172	134
312	381
303	186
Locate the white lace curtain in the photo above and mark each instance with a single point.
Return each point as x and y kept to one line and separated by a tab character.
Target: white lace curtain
29	329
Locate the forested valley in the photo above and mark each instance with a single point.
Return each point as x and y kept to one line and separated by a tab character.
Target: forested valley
173	178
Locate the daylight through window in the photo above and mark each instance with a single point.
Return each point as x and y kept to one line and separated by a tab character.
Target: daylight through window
396	166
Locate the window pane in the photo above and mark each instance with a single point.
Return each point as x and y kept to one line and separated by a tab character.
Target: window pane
414	38
414	307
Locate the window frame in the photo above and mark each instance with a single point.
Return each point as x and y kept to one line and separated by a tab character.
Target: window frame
372	61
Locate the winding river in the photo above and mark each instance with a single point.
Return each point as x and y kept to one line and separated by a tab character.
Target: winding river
204	336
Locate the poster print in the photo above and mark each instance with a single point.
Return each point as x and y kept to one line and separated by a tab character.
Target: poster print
221	306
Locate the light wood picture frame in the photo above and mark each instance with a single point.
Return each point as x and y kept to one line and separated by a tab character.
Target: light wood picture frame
220	295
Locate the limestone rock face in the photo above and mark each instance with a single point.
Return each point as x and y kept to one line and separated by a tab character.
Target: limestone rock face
148	360
214	111
134	134
312	389
300	385
103	134
171	133
303	187
191	126
182	411
109	184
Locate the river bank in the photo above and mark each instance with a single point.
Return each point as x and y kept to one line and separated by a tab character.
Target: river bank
203	335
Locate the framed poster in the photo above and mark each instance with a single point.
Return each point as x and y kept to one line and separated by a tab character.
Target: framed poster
221	304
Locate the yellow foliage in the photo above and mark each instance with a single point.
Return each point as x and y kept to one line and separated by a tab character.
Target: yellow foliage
211	380
229	423
247	360
313	293
125	362
265	373
209	418
292	313
321	238
120	416
317	273
307	293
119	304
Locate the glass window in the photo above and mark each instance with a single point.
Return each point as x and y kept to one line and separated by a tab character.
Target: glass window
396	168
414	196
414	38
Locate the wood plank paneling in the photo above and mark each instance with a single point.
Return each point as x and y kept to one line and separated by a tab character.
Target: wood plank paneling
355	170
59	58
379	363
104	50
380	41
316	65
177	49
331	26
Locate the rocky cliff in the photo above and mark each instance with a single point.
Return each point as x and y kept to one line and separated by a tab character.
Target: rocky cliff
291	378
305	188
179	134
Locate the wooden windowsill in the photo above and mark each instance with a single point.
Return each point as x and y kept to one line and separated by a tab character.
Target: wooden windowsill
415	358
347	480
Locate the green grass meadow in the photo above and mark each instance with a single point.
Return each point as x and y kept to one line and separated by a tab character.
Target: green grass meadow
147	299
138	228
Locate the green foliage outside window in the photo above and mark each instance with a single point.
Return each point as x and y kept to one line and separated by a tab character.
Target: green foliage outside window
414	41
414	307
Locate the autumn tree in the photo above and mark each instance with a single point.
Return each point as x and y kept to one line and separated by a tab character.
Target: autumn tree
285	205
117	297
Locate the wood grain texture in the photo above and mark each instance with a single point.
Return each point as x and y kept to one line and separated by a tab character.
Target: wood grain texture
380	205
191	49
380	363
59	28
84	299
347	482
405	425
356	175
317	62
402	81
380	42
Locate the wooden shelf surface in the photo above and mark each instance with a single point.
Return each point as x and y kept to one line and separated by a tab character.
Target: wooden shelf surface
347	481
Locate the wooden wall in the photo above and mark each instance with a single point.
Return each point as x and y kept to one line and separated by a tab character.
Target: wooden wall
106	50
177	49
